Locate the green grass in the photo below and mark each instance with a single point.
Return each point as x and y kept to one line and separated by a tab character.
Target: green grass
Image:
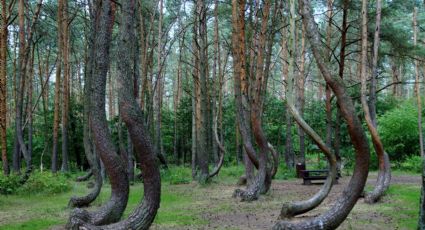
404	206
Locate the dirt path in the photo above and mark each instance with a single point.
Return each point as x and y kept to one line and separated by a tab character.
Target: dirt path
263	214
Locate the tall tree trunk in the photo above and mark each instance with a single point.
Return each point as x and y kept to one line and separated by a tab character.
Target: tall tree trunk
203	148
3	86
24	53
342	55
417	83
289	150
328	92
384	174
300	94
65	92
111	211
144	214
89	150
58	86
332	218
30	102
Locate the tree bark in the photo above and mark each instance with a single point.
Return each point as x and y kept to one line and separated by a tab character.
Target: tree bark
332	218
144	214
89	151
384	174
417	83
3	86
111	211
65	91
203	149
289	149
58	94
262	181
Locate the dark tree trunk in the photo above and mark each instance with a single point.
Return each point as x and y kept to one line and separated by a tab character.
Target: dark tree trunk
112	211
3	86
89	151
65	88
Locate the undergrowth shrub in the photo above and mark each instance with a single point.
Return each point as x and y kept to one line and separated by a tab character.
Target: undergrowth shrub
45	183
9	184
412	164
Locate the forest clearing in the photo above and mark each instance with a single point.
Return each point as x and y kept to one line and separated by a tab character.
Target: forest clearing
212	114
193	206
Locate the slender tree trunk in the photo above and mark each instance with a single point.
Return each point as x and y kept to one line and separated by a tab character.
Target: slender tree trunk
384	174
111	211
24	55
328	92
30	102
289	150
89	150
300	95
66	91
3	86
58	86
417	83
203	149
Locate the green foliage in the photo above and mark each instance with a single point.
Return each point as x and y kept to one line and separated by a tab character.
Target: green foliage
412	164
176	175
399	132
45	183
9	184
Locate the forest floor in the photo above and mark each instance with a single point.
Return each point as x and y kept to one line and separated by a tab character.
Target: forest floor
194	206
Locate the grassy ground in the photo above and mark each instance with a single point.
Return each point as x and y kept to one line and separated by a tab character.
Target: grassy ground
187	205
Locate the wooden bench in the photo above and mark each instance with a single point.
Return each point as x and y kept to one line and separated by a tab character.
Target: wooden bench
312	175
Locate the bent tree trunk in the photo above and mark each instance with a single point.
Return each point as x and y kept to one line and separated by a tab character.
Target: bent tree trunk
384	175
144	214
332	218
295	208
262	181
221	150
85	177
112	211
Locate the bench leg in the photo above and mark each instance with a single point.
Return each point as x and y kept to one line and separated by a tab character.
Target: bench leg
306	182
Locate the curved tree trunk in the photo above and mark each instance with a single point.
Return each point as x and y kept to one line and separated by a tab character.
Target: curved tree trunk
332	218
85	177
295	208
222	151
262	180
145	212
384	175
275	157
112	211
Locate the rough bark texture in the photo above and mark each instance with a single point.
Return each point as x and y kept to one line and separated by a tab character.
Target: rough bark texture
89	150
145	212
3	86
85	177
65	91
114	208
58	80
289	151
262	181
332	218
